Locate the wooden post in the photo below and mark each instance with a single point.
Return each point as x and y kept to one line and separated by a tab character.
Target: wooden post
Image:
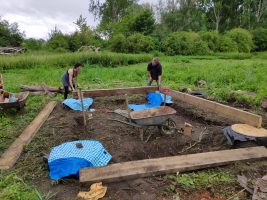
126	106
81	98
1	82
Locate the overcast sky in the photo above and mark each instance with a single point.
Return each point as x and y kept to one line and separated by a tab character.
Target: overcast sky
37	17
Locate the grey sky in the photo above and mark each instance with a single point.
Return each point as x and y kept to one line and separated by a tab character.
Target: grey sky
37	17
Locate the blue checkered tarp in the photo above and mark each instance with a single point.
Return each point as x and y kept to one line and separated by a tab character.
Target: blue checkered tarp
66	159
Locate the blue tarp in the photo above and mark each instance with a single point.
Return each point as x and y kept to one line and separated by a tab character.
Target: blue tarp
153	99
66	159
75	104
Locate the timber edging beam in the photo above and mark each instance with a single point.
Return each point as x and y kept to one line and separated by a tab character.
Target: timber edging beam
221	110
115	91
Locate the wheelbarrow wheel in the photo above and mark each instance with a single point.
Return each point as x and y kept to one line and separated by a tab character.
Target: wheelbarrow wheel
168	127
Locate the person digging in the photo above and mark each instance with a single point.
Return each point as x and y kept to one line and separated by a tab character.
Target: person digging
67	78
154	72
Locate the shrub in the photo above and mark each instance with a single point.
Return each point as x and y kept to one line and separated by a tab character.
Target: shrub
212	39
260	39
201	48
226	44
243	39
138	43
118	43
180	43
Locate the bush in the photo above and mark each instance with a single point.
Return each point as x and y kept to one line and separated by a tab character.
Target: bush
260	39
138	43
201	48
185	43
118	43
212	39
243	39
226	44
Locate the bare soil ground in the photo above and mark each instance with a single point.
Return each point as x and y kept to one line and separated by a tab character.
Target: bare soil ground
124	144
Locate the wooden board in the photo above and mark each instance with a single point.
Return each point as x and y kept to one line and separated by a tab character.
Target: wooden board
12	154
248	130
151	167
221	110
115	91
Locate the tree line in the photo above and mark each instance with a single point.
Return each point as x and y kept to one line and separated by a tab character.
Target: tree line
187	27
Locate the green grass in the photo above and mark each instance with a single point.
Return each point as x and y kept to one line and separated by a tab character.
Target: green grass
105	59
215	181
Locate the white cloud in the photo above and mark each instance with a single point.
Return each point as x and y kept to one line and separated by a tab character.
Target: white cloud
37	17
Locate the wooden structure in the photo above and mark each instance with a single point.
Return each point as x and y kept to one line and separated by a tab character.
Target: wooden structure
152	167
12	154
1	82
12	50
233	114
19	104
221	110
115	92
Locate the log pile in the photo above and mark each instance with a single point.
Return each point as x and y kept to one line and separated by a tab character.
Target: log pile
11	50
41	89
90	48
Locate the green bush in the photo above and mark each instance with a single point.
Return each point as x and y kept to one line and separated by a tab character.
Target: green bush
118	43
226	44
212	39
201	48
138	43
243	39
185	43
260	39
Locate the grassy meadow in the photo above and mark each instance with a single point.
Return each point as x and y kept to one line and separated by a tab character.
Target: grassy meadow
223	73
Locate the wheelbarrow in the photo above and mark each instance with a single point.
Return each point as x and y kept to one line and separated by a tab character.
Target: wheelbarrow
143	119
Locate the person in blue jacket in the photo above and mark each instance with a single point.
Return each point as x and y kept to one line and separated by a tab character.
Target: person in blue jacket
68	78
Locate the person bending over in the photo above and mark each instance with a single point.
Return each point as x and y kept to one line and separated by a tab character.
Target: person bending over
67	78
154	71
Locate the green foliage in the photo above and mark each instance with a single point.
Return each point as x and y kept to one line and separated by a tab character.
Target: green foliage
243	39
58	41
138	43
202	179
10	34
66	59
201	48
144	23
260	39
212	39
181	43
118	43
13	188
226	44
33	44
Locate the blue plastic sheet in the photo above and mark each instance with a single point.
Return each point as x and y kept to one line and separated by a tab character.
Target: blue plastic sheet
66	159
153	99
75	104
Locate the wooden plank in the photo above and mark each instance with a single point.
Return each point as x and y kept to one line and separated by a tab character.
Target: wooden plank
116	91
151	167
12	154
220	109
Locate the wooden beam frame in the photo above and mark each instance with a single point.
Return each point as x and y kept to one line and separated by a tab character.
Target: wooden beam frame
12	154
116	91
152	167
221	110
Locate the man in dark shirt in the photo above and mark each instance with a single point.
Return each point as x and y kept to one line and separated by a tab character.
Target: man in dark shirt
154	71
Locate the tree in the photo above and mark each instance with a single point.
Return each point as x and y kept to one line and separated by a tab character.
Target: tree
109	10
10	34
144	23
